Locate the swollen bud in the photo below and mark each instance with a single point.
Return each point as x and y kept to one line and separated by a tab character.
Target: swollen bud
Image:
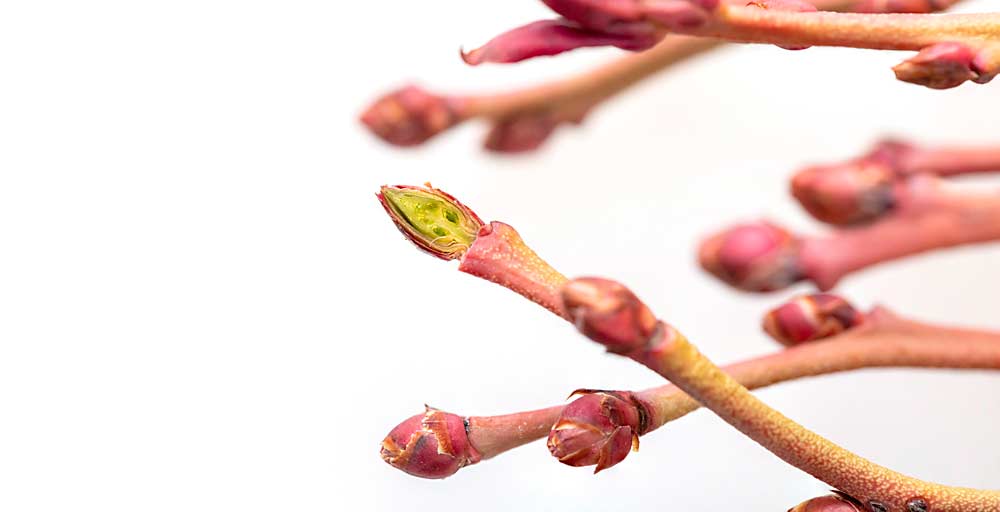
410	116
608	313
757	257
434	444
832	503
811	317
851	193
432	219
599	428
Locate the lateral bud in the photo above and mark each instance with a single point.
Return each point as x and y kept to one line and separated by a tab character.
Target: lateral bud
856	192
608	313
598	429
756	257
811	317
943	66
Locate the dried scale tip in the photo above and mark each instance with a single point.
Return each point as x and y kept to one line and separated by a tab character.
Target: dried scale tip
608	313
599	428
434	444
832	503
944	66
843	194
756	257
551	37
410	116
811	317
432	219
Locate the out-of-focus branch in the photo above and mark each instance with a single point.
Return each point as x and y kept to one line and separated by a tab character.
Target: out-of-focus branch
522	120
926	215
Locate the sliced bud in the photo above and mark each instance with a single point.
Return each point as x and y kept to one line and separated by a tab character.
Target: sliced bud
552	37
432	219
811	317
852	193
608	313
756	257
598	428
410	116
941	66
434	444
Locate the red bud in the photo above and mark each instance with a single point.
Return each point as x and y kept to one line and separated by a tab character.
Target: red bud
833	503
811	317
851	193
941	66
608	313
410	116
430	445
755	257
599	428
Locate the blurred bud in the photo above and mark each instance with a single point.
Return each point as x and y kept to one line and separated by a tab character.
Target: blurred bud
940	66
891	153
527	131
832	503
851	193
811	317
757	257
410	116
520	133
430	445
432	219
634	17
599	428
551	37
608	313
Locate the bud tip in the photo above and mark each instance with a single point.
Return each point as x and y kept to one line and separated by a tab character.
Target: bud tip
431	218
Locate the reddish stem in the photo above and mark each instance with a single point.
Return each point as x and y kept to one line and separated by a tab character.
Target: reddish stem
950	161
884	341
953	48
862	189
522	120
871	31
926	215
667	352
500	255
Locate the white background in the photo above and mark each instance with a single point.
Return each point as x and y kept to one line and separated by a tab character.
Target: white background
202	306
